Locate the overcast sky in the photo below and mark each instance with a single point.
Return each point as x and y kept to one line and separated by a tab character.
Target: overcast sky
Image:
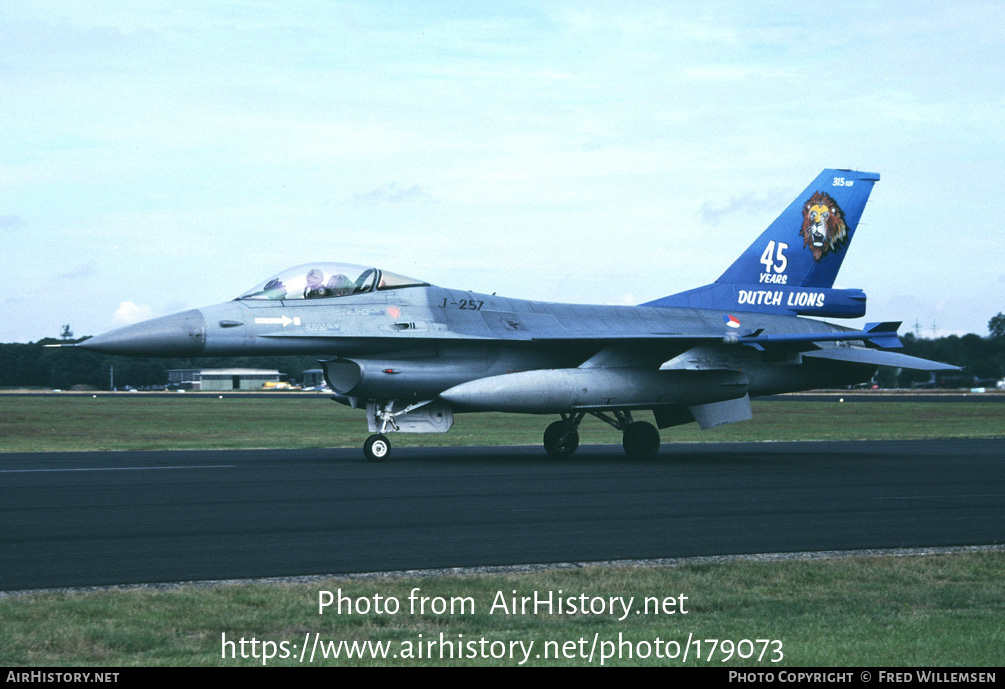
160	156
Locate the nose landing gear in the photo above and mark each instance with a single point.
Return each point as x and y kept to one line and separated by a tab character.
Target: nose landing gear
376	448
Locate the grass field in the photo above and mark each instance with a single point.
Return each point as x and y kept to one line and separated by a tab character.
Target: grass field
137	422
894	611
934	610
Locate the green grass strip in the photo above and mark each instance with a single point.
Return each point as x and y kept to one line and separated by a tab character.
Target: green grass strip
934	610
137	422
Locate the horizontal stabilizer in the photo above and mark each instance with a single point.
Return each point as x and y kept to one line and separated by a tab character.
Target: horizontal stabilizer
883	335
876	357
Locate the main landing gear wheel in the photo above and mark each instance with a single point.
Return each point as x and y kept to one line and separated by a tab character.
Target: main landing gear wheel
560	440
641	440
377	448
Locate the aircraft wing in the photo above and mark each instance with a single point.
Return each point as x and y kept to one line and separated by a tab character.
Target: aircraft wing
878	337
881	335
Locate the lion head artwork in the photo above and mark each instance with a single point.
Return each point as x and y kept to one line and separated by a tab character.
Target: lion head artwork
824	229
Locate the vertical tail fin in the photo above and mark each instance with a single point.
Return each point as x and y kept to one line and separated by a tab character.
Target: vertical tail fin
805	245
790	268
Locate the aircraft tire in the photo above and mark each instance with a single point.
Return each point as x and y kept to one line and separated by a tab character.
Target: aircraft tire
377	448
556	445
641	440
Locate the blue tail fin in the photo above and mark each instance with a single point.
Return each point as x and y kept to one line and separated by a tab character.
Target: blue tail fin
805	245
792	265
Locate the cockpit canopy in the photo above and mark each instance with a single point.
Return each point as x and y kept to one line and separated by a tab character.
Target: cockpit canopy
327	280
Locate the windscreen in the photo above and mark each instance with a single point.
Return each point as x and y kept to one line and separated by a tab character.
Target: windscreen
315	281
327	280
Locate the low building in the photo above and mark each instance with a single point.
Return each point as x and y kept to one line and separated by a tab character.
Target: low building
314	377
220	379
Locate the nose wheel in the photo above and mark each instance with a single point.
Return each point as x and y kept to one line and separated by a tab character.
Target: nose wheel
377	448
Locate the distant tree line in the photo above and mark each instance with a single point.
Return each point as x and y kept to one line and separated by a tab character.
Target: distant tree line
982	359
34	366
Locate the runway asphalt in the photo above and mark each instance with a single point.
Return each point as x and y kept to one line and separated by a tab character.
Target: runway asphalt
82	519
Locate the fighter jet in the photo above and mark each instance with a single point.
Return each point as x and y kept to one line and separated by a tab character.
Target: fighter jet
413	354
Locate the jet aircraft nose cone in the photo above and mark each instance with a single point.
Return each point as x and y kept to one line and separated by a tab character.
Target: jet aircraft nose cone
182	334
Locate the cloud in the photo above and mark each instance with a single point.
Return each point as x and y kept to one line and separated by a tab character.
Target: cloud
10	222
626	299
714	214
392	193
130	312
79	272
